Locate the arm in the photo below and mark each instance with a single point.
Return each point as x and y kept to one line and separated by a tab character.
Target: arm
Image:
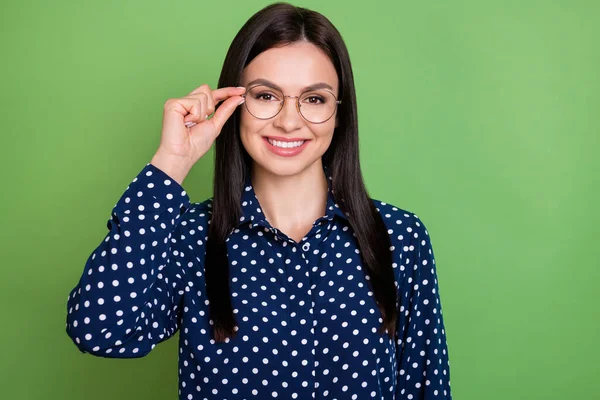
423	365
128	298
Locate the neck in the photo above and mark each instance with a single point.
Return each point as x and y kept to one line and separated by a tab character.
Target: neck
291	203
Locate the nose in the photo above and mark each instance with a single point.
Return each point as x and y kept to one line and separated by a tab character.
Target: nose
289	118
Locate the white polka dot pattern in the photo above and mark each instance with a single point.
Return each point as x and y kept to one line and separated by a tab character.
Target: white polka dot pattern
307	317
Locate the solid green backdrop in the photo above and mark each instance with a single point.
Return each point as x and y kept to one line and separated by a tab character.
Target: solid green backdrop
479	116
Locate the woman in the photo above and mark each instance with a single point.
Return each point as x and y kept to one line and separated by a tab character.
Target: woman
291	282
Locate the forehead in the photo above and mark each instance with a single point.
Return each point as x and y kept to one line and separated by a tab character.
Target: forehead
292	67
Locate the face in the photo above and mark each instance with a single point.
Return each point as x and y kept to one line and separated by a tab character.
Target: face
272	143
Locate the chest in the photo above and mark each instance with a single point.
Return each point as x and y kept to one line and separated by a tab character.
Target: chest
287	294
305	313
321	280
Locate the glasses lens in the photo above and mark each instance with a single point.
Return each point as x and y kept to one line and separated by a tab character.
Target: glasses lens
317	106
264	102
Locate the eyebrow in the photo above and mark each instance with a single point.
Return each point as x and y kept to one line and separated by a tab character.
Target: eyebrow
315	86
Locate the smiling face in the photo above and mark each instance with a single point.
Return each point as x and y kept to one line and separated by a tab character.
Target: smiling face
288	144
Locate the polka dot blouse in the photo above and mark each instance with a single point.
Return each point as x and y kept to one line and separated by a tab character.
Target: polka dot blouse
307	318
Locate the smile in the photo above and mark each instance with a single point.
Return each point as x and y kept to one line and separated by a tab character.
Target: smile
286	145
286	148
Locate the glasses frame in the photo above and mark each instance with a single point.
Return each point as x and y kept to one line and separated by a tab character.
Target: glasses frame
282	103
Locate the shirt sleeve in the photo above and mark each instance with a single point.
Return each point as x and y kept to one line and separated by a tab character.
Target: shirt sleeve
423	364
128	298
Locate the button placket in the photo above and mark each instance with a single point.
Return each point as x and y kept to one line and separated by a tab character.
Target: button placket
300	323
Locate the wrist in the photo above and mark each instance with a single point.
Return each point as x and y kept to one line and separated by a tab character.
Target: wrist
174	166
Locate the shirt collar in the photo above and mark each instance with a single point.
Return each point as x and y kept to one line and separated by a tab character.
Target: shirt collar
252	213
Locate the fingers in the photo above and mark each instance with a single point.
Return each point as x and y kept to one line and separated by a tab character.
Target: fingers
201	89
212	97
196	107
219	94
223	93
225	110
205	100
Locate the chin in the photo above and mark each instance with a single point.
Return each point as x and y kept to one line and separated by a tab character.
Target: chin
283	167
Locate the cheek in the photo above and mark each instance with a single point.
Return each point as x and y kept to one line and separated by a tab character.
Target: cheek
324	132
250	129
245	121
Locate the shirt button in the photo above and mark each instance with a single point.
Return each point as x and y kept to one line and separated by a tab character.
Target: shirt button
306	246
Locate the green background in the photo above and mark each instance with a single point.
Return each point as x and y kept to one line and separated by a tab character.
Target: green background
479	116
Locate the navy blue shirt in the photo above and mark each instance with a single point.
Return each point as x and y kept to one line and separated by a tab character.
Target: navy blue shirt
307	318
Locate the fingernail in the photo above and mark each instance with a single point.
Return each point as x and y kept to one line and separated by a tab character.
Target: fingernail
241	87
190	123
242	102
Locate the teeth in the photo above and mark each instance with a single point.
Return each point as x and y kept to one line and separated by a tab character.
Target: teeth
286	145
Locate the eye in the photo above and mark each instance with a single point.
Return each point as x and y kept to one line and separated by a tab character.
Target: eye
265	96
314	99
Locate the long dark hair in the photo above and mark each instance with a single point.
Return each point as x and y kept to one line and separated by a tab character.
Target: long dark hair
277	25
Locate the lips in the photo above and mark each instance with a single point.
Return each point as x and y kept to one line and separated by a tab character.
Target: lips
285	147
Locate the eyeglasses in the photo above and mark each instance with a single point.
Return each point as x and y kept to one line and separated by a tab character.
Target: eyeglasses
315	106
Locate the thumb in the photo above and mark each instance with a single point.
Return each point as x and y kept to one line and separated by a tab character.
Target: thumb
225	110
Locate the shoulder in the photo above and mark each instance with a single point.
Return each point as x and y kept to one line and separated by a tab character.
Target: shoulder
192	229
202	209
410	242
198	213
403	226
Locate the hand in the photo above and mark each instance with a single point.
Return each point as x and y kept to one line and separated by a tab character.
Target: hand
187	133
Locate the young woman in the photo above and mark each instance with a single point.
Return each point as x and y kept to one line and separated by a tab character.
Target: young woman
290	282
